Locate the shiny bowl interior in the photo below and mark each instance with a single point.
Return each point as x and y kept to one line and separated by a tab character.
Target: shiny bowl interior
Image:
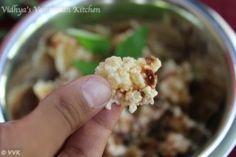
23	40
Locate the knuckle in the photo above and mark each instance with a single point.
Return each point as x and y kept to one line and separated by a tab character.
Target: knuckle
73	152
102	125
68	111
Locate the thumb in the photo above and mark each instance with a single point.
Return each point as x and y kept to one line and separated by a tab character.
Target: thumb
57	117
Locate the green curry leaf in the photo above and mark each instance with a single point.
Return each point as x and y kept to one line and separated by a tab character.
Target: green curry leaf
95	43
85	67
133	45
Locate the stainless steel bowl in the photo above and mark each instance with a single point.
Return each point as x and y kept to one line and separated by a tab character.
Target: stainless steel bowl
24	37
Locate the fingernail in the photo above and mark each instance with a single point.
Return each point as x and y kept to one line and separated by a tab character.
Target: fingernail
96	92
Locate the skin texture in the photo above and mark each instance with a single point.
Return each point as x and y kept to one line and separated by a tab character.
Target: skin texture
70	122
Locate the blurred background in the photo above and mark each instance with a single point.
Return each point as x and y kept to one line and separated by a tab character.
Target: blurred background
225	8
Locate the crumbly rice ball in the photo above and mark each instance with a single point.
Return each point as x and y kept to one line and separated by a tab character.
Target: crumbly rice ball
175	82
64	50
133	81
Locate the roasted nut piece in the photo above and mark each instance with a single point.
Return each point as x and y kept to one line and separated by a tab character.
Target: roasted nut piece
42	88
133	81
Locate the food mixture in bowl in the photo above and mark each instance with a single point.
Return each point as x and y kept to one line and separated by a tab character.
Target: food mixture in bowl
191	97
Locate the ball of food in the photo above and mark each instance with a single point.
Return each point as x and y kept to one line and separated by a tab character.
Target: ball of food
133	81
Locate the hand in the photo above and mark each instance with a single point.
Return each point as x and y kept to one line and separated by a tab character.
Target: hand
71	122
